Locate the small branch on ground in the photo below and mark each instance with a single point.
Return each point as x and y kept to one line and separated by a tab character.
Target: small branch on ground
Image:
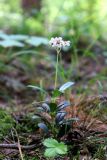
15	146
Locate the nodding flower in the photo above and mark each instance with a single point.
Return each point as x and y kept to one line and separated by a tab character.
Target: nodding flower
58	43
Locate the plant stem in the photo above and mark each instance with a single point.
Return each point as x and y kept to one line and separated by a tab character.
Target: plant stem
56	73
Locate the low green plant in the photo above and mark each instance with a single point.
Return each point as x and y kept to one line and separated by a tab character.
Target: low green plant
101	152
56	113
61	119
52	117
6	123
54	148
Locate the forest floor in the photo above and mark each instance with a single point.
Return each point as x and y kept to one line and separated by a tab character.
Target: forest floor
18	128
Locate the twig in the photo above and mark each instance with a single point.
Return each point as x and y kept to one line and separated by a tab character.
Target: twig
19	146
16	146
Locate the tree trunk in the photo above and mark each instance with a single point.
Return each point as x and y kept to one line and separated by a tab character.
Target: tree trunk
29	5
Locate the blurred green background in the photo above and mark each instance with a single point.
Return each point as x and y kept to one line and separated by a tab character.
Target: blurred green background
72	18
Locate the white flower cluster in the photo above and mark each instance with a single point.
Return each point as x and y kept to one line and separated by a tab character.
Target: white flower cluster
58	42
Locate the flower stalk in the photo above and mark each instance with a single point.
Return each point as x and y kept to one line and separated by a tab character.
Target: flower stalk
58	43
56	73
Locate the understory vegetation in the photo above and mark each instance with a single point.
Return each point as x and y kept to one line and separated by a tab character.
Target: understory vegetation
53	80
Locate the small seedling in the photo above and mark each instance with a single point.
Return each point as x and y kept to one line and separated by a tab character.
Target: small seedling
54	148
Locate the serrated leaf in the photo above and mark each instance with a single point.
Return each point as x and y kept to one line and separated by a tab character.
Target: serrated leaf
65	86
61	149
50	152
50	142
54	147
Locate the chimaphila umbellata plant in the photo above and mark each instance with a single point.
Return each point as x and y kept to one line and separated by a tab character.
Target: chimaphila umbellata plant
53	115
53	122
65	124
63	120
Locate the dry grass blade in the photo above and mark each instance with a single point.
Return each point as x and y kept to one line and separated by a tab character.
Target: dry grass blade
19	146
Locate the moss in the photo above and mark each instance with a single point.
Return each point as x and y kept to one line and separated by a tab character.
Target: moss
6	123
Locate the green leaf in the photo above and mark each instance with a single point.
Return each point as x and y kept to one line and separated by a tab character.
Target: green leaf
16	40
50	142
43	127
56	93
62	148
37	41
37	88
65	86
18	37
50	152
11	43
3	35
26	52
54	148
53	107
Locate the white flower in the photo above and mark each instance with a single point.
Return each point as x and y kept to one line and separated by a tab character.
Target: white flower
67	43
58	43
